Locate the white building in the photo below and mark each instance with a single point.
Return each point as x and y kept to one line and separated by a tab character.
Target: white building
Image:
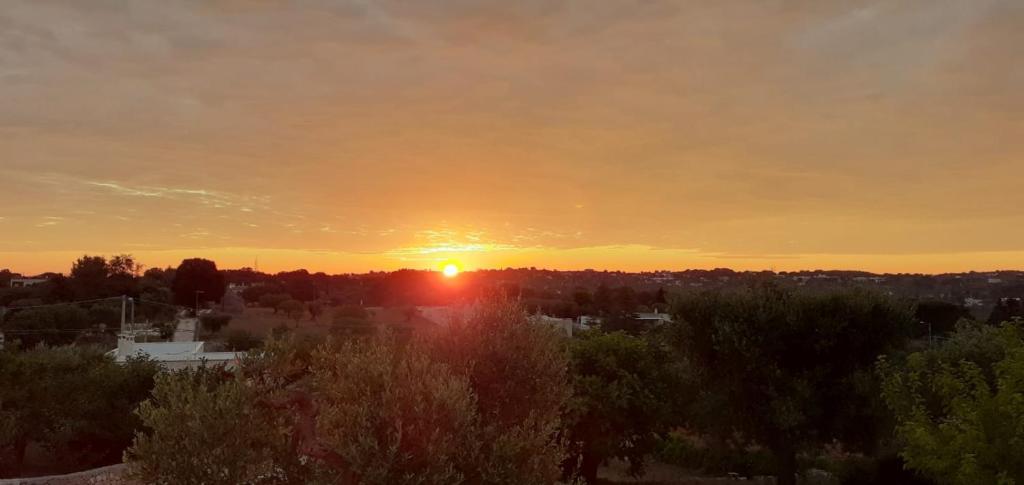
173	355
655	318
26	282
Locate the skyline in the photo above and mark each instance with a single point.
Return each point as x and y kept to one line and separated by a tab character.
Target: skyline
355	136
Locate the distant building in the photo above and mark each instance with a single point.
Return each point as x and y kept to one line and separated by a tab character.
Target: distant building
563	325
26	282
973	302
655	318
586	322
173	355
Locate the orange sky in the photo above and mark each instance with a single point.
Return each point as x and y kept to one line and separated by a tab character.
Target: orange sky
350	136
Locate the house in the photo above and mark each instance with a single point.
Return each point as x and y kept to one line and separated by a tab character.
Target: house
26	282
173	355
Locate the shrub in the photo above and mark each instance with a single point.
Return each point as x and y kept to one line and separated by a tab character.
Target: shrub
213	322
241	340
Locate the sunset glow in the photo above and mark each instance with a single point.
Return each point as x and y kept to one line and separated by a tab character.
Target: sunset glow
450	270
351	137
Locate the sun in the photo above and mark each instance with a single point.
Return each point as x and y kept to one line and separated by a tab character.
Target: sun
450	270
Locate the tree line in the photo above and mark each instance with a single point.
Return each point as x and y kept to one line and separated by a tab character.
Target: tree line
763	379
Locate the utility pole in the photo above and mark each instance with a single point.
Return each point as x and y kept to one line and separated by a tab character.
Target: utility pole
197	302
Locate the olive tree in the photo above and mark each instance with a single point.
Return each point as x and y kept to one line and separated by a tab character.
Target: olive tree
370	411
620	404
787	370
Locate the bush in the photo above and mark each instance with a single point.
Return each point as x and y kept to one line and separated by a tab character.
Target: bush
240	340
694	454
213	322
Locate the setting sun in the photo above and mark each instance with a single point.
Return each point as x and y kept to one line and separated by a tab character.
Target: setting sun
450	270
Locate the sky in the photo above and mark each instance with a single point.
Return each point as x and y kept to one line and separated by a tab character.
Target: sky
348	136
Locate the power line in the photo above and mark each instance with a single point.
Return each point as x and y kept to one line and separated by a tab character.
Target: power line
53	330
27	307
162	303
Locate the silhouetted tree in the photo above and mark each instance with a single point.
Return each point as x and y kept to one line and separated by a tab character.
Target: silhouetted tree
1005	310
197	275
941	315
89	277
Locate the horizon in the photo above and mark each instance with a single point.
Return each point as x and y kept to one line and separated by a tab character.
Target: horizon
351	137
440	269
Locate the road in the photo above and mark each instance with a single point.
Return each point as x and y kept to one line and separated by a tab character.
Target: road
186	328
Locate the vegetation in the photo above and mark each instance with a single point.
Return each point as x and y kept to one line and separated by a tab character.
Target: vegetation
762	378
620	403
74	402
368	411
785	370
959	405
213	322
196	281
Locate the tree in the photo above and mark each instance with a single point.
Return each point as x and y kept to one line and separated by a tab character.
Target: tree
273	300
786	370
123	264
197	278
373	411
518	372
940	316
958	406
620	401
203	427
293	309
89	277
74	403
315	310
213	322
254	294
54	325
1005	310
352	320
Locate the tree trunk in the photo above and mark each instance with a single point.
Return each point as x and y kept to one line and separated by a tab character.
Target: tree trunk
588	467
785	458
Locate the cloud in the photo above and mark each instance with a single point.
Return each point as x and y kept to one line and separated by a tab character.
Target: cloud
737	127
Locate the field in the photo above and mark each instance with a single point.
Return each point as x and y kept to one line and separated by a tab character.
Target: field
262	321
